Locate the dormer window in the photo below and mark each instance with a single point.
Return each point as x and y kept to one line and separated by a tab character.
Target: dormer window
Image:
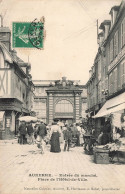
113	13
105	26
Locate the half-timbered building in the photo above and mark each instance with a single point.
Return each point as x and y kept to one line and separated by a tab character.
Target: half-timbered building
16	87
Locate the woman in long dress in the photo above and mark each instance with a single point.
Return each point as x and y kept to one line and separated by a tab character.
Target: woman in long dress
55	134
82	132
61	125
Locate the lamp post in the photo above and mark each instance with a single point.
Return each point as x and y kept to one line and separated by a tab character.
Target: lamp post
105	92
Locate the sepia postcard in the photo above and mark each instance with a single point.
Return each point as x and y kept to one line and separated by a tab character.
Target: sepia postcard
62	96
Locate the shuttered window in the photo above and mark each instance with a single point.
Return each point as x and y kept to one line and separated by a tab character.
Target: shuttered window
111	83
116	44
115	80
119	76
122	73
123	33
111	50
99	92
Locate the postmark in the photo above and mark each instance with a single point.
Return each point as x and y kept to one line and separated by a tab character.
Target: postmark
28	34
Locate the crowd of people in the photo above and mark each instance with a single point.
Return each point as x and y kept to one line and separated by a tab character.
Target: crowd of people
58	132
55	134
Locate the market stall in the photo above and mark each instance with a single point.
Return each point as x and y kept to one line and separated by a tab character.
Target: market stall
89	141
104	154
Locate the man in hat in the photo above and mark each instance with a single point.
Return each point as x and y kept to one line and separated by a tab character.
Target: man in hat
23	132
30	132
67	137
42	132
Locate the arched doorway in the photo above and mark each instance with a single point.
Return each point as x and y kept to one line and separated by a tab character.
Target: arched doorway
64	110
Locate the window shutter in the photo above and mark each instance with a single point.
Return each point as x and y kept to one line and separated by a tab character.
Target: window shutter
124	31
111	50
115	80
110	83
122	73
115	45
117	42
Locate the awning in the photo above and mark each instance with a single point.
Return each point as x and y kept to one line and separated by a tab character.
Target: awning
1	115
113	105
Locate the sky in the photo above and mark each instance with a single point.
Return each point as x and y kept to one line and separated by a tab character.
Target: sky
70	45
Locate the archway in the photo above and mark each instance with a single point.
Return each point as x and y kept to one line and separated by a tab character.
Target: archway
64	110
64	106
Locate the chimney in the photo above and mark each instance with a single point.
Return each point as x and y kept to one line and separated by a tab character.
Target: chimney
63	78
28	68
101	38
5	37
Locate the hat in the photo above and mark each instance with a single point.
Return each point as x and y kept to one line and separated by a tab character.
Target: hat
54	123
55	120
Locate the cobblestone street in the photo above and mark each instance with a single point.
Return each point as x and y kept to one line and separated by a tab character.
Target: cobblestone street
72	171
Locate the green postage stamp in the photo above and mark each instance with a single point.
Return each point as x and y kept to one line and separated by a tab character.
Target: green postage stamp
28	34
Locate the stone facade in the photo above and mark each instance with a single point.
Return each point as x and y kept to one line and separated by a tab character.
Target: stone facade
65	100
107	75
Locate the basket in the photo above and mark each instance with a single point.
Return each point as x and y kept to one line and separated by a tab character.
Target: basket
101	156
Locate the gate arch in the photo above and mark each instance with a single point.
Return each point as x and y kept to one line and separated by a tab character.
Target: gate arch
63	106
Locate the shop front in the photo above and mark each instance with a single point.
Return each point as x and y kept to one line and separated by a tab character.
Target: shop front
10	110
115	109
112	105
114	112
7	120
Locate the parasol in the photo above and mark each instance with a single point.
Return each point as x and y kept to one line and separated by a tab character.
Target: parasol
28	119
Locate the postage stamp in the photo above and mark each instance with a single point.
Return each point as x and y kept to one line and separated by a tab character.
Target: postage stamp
28	34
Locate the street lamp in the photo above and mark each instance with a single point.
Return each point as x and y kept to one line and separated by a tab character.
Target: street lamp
105	92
